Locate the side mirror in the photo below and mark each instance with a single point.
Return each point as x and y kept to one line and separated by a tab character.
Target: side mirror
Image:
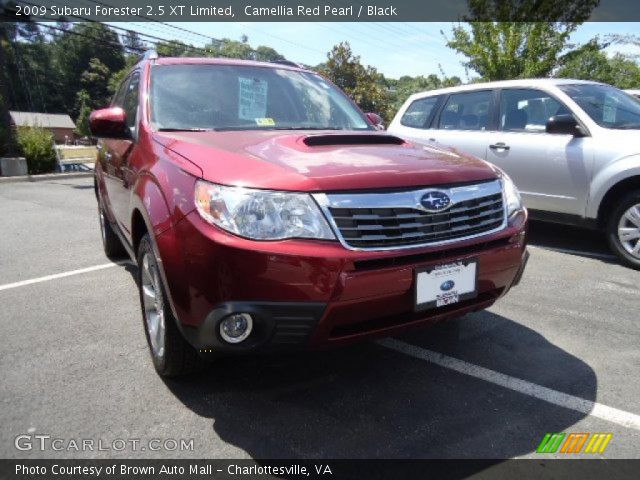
109	123
376	120
564	124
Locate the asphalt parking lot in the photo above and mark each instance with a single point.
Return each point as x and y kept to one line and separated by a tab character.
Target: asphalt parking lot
559	354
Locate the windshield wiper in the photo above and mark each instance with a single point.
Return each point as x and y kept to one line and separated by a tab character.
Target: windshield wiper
186	129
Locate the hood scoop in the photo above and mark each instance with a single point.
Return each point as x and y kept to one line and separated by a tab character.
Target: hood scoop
351	139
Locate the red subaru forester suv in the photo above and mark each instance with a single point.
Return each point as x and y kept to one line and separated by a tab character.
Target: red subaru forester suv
265	211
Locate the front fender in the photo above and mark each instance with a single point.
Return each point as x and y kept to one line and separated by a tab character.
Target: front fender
160	214
613	173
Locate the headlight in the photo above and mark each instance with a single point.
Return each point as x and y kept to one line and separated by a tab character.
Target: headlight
511	195
261	214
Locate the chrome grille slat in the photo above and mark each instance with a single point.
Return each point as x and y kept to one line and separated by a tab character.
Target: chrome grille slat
466	218
409	216
392	220
365	238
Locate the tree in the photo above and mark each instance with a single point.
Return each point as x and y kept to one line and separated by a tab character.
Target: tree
590	62
91	50
628	39
95	84
132	42
365	85
176	48
228	48
406	86
267	54
7	140
82	122
507	40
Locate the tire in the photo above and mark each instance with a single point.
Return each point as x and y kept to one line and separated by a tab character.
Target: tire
171	354
111	243
626	217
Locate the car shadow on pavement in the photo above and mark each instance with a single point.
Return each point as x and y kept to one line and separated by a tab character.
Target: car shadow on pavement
367	401
569	239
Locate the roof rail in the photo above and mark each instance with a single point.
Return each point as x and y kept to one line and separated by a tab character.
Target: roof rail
288	63
148	55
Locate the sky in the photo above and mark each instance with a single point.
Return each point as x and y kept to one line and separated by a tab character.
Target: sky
395	49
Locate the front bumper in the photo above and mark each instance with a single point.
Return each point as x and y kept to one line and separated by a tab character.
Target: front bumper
314	294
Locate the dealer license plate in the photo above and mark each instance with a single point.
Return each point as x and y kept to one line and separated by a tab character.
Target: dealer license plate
443	285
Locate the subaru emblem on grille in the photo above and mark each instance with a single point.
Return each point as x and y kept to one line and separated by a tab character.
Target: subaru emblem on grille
435	201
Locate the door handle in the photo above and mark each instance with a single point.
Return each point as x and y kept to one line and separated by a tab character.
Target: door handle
499	146
107	156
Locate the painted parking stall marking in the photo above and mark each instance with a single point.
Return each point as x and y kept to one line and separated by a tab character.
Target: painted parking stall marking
46	278
594	409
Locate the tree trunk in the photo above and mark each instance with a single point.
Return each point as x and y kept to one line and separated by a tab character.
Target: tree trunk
7	140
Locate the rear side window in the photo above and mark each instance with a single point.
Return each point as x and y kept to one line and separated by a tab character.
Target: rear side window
419	112
466	111
528	110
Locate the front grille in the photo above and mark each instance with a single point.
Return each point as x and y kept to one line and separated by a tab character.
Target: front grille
380	227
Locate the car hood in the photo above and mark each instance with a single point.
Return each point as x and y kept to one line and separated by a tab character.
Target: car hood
321	161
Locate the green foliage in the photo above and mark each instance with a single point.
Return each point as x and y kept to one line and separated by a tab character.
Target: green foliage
176	48
500	50
36	144
267	54
406	86
363	84
590	62
132	41
89	50
95	83
82	122
514	48
227	48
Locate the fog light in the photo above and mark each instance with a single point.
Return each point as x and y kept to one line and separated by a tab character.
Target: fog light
236	327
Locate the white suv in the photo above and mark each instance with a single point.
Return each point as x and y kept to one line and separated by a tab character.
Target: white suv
572	147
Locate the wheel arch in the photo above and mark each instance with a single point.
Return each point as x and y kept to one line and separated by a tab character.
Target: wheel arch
150	214
614	193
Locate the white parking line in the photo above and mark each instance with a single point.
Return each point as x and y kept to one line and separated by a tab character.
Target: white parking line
46	278
610	414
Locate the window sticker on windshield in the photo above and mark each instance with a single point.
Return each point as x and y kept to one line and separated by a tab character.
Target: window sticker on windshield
252	98
265	122
609	110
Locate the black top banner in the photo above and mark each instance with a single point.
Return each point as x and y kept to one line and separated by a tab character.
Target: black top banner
321	10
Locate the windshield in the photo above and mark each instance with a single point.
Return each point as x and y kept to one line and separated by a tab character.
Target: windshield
235	97
606	105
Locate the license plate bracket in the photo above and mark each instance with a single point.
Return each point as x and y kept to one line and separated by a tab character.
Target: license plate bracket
438	286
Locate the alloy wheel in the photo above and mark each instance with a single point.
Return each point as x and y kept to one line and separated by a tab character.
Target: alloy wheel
153	305
103	233
629	230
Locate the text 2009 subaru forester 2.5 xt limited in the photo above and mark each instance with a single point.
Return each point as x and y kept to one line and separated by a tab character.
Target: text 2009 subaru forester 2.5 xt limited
266	212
